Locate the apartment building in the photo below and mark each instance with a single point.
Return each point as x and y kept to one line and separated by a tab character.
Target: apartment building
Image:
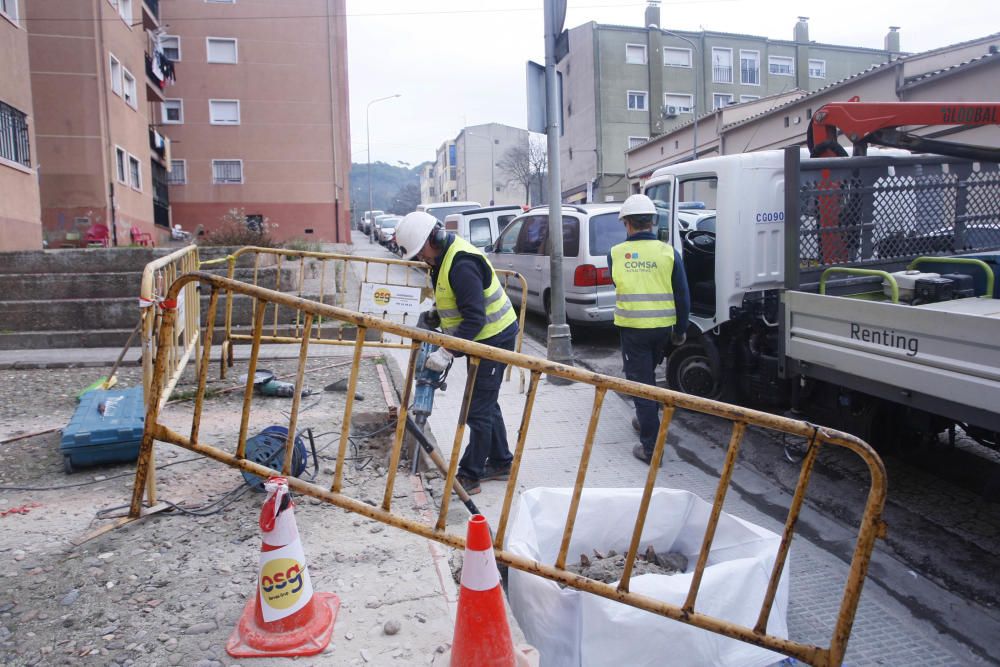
20	216
259	120
478	149
445	173
963	72
428	193
624	85
94	92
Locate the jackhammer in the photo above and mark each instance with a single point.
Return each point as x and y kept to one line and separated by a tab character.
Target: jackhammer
428	382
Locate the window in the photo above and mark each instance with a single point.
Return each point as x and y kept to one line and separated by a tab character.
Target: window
224	112
128	88
115	73
171	46
480	234
531	240
637	100
173	112
750	68
636	141
635	54
508	238
722	65
9	9
817	69
681	102
14	144
120	160
748	98
720	100
125	10
676	57
221	50
134	173
178	172
227	171
781	65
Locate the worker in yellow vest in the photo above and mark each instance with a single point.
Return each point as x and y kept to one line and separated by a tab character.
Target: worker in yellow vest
472	305
652	304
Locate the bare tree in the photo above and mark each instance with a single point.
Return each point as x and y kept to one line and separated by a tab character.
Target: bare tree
524	165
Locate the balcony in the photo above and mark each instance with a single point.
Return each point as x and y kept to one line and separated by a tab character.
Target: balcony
150	14
153	90
750	75
158	144
722	74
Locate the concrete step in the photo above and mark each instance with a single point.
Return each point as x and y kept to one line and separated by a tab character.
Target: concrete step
92	260
62	286
114	313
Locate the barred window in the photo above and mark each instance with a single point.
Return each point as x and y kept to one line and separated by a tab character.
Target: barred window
227	171
14	135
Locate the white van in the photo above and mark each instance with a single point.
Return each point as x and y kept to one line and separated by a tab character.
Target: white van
367	219
443	209
482	226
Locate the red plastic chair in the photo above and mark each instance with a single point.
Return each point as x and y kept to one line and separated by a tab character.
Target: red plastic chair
98	235
140	237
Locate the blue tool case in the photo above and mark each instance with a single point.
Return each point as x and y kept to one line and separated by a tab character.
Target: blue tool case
106	428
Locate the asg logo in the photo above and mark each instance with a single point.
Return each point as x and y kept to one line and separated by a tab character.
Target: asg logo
281	582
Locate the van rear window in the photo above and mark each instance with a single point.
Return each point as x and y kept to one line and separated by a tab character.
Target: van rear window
606	230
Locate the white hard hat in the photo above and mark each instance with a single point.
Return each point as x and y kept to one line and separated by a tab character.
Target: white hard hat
412	232
637	205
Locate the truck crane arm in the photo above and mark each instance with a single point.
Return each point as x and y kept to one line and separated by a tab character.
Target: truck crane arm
879	122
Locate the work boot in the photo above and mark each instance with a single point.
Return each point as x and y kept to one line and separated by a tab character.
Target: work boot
499	472
635	424
640	453
470	485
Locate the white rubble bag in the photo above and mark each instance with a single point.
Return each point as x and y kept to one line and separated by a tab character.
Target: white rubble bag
575	629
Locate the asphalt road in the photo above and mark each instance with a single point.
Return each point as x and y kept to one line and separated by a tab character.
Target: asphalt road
942	549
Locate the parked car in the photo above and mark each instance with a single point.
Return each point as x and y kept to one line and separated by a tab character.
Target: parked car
367	219
387	231
441	210
373	235
482	226
589	231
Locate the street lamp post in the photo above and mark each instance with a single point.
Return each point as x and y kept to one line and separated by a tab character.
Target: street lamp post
368	136
697	78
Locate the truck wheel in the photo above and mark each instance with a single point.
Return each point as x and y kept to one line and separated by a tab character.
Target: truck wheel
689	371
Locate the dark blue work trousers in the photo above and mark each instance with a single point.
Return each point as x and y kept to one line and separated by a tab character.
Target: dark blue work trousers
642	352
487	431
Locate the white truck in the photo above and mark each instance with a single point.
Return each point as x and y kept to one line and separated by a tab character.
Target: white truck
859	291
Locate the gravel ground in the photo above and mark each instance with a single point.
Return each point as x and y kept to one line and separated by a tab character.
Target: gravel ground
169	590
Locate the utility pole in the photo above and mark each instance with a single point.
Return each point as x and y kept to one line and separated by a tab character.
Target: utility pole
559	346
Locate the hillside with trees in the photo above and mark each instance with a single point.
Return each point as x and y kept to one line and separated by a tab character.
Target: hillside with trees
395	189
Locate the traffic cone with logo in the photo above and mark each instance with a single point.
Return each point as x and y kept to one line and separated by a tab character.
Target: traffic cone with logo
285	617
482	634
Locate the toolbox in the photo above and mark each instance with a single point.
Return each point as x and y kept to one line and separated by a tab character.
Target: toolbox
106	428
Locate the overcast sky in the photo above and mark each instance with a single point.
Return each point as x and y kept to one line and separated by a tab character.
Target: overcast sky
459	62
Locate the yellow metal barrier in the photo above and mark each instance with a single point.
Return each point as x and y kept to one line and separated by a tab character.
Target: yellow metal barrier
173	350
325	277
871	525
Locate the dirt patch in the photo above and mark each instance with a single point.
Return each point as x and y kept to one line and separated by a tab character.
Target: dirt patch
170	589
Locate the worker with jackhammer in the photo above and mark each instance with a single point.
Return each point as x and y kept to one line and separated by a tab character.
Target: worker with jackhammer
652	303
472	305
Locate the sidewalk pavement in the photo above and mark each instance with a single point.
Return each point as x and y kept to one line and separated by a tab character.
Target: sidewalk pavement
884	633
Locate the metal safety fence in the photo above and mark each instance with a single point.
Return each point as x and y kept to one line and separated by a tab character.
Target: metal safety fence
387	288
336	493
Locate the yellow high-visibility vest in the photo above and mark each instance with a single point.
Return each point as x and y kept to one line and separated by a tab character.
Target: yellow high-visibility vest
644	296
499	311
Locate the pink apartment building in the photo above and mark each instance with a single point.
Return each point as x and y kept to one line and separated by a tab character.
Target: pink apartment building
259	117
20	221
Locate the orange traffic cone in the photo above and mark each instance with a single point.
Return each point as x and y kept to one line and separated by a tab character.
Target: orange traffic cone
284	617
482	634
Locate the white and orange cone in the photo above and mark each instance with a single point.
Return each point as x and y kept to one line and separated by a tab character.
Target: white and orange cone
482	634
285	617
